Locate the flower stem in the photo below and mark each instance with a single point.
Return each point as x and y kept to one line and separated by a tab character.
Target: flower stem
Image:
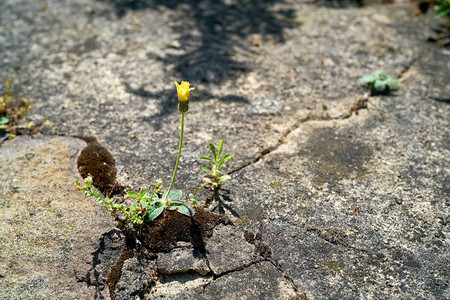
178	158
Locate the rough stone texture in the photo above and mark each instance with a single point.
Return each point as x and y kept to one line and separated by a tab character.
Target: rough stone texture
252	283
227	250
353	206
179	286
50	235
182	260
138	274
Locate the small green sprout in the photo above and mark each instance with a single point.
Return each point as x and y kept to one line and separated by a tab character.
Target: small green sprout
3	122
442	8
194	201
218	162
89	192
380	83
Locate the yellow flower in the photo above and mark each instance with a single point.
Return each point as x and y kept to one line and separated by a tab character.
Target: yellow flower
184	95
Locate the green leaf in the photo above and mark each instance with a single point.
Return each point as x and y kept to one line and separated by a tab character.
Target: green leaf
96	193
224	178
142	193
206	158
155	213
224	159
133	195
368	79
393	84
175	195
207	170
183	209
176	202
207	180
382	75
213	150
77	182
379	85
220	148
4	120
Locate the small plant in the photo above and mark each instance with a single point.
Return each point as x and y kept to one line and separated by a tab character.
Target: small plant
149	206
380	83
3	122
7	95
442	8
215	172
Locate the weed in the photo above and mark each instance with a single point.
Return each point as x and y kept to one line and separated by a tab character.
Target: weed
380	83
149	206
218	162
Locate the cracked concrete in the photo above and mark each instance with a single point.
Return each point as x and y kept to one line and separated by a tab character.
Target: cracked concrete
331	197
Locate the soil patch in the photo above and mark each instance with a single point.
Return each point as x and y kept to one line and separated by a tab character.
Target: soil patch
97	161
163	234
116	272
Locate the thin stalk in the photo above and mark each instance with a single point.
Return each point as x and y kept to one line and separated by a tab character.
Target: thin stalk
178	158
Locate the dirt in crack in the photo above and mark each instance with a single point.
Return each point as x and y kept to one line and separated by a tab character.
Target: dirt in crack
260	246
163	234
95	160
116	271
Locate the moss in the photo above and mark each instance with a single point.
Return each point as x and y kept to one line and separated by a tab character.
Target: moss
163	234
318	180
241	221
116	272
275	184
97	161
331	265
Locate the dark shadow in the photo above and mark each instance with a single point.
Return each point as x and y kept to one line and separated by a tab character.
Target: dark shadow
93	276
339	3
215	36
222	198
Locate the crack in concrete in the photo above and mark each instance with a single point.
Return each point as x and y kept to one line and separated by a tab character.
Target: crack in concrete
240	268
282	139
410	65
358	104
287	277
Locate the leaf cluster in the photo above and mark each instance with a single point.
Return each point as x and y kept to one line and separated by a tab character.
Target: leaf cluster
151	205
217	163
442	8
148	205
380	82
3	122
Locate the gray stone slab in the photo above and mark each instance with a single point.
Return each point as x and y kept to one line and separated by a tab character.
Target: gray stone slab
51	235
138	274
259	281
182	260
227	250
351	206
